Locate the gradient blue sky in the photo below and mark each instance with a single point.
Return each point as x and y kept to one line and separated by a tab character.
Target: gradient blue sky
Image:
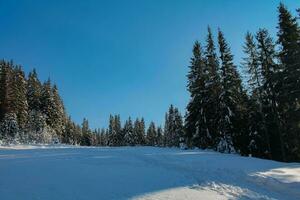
129	57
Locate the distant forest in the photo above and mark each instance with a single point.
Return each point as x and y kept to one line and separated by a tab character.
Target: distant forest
260	118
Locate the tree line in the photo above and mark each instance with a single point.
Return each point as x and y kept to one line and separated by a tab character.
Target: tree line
32	112
135	133
262	117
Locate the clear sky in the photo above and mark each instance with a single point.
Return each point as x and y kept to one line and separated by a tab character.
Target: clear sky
127	57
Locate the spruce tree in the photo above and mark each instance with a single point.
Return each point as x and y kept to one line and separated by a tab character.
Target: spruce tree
4	73
86	133
111	131
6	89
116	137
160	136
196	127
178	128
118	130
20	100
289	55
168	129
269	96
212	88
59	116
9	129
151	135
128	133
136	130
258	134
47	103
173	129
251	63
34	91
229	99
141	132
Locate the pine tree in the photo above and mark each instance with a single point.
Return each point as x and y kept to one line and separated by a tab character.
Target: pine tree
118	130
78	135
111	132
173	129
47	103
251	63
34	91
254	81
212	88
20	100
289	41
116	137
168	129
128	133
268	100
9	129
103	137
37	129
4	70
86	133
141	132
230	98
59	116
151	135
178	128
195	122
68	136
136	130
160	136
6	89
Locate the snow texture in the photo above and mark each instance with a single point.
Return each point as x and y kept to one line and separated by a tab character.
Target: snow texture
144	173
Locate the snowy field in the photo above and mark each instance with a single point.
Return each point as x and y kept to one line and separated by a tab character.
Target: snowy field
72	173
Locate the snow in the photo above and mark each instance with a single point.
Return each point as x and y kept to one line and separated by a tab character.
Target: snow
143	173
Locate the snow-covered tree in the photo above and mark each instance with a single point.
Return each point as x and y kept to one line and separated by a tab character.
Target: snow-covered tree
151	138
128	133
288	84
34	91
212	88
86	133
173	129
19	102
196	127
59	115
160	136
9	129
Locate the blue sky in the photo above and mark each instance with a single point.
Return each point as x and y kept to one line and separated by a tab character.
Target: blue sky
127	57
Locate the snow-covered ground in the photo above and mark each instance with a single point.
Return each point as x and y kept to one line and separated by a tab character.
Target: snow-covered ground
71	173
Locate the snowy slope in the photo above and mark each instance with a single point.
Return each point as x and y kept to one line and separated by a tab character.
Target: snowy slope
69	173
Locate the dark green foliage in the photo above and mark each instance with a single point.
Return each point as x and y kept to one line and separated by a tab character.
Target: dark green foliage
213	91
128	133
86	133
230	99
151	138
160	136
265	121
34	91
289	98
6	88
116	137
139	132
173	130
37	111
196	126
59	116
20	100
